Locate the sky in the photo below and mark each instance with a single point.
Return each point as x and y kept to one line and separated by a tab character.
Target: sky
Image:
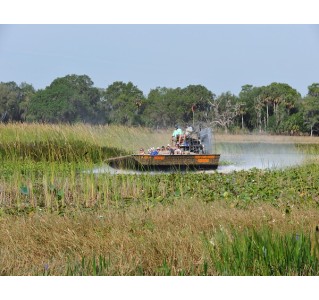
221	57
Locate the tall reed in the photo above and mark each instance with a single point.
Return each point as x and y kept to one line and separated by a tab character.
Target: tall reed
262	252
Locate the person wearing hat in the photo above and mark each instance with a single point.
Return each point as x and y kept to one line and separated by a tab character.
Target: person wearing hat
169	149
142	151
162	150
176	134
188	131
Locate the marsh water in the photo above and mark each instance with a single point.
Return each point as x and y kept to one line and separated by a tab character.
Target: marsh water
243	156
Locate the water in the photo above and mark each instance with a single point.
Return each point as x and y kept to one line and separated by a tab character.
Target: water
245	156
242	156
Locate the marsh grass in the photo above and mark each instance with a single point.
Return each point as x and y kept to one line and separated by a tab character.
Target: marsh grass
169	239
61	188
249	253
58	218
262	252
129	139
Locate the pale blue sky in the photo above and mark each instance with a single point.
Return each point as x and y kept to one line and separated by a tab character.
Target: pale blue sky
220	57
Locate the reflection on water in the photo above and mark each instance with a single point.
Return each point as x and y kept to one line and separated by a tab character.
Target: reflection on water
242	156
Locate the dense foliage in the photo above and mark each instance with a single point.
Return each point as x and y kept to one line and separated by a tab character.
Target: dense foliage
275	108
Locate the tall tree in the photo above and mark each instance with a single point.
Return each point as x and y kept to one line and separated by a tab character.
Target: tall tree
10	99
225	109
251	107
124	103
313	90
310	105
68	99
311	113
26	93
196	98
168	106
161	107
282	97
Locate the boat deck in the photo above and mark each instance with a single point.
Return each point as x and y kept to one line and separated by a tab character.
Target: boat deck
165	162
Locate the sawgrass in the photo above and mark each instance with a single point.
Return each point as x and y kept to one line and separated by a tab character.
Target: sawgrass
121	137
59	218
263	252
187	237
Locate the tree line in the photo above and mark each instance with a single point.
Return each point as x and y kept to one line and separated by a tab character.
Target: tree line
276	108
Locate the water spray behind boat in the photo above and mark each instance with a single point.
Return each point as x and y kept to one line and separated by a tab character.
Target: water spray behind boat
206	138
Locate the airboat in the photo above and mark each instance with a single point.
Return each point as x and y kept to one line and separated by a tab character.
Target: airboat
196	154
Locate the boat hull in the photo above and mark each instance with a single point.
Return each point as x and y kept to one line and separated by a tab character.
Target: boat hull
166	162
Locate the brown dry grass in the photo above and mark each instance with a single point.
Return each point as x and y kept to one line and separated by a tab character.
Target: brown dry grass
133	237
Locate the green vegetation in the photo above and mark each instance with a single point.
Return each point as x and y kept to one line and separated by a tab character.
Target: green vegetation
233	253
276	108
57	217
262	252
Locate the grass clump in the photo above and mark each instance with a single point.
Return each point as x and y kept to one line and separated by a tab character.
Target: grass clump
262	252
57	217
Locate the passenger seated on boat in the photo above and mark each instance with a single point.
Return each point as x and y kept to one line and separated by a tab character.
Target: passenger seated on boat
178	150
141	151
186	135
188	131
162	150
169	149
149	151
154	152
177	133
